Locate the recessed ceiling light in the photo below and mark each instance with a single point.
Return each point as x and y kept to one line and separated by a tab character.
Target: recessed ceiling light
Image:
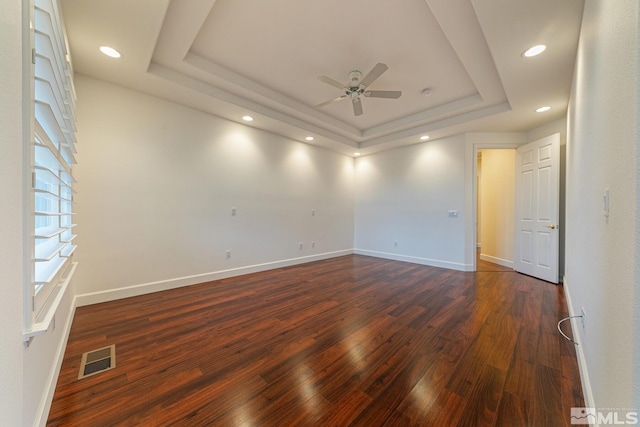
426	91
543	109
247	118
424	137
109	51
535	50
309	138
356	154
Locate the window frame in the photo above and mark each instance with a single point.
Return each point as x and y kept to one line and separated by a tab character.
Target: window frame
49	147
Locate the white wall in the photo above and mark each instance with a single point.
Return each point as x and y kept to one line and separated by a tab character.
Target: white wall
602	254
404	196
11	227
157	183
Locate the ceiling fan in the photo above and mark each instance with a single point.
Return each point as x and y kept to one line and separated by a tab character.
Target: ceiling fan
358	86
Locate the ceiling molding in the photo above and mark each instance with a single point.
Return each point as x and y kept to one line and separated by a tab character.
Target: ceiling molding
212	56
248	84
470	45
201	87
426	115
440	124
181	25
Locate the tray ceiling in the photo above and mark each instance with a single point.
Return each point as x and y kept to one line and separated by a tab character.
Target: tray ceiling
237	57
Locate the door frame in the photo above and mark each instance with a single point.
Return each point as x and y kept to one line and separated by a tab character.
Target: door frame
474	189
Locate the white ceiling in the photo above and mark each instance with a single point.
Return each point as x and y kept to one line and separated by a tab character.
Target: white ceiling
237	57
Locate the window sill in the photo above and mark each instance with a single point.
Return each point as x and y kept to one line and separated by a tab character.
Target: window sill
44	319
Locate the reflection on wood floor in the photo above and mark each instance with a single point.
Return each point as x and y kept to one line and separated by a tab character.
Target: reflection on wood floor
352	340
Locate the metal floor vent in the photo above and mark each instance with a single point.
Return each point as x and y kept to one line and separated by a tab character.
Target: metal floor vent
96	361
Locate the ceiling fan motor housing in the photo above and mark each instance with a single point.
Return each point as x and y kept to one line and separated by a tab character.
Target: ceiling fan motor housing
354	78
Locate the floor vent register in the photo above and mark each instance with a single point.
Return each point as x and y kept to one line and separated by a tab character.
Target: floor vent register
96	361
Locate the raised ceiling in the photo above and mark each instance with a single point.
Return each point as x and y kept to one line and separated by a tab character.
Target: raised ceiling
236	57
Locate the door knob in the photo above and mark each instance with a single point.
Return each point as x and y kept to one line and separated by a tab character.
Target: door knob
552	226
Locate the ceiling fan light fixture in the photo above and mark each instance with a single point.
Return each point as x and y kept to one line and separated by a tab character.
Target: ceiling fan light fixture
534	50
357	87
354	77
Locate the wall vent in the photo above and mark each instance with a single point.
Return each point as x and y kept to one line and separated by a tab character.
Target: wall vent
96	361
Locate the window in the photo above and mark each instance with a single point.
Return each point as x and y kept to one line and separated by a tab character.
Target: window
52	147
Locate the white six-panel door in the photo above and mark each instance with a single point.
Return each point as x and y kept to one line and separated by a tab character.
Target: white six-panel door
537	208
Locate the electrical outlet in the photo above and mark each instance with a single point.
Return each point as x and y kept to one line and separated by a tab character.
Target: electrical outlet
233	211
313	212
395	243
313	244
583	319
228	254
300	246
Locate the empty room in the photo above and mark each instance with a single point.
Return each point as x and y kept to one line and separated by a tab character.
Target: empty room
233	212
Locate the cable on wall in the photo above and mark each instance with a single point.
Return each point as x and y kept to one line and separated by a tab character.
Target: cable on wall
562	333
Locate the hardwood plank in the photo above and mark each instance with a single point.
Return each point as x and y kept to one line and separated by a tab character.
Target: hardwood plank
520	378
427	390
352	340
503	332
343	412
546	407
513	411
445	411
549	342
526	347
484	397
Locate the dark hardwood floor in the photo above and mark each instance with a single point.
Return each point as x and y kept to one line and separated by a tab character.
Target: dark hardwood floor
353	340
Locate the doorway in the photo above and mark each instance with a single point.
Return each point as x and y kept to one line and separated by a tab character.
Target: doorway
495	204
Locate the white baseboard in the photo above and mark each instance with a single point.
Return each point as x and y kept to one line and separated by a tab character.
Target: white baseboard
582	363
52	380
163	285
496	260
416	260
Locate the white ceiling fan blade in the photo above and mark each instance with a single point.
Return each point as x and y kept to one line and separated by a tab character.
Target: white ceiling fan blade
331	101
374	74
394	94
330	81
357	106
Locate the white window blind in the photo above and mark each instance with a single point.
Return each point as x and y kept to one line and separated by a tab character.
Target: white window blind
53	156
